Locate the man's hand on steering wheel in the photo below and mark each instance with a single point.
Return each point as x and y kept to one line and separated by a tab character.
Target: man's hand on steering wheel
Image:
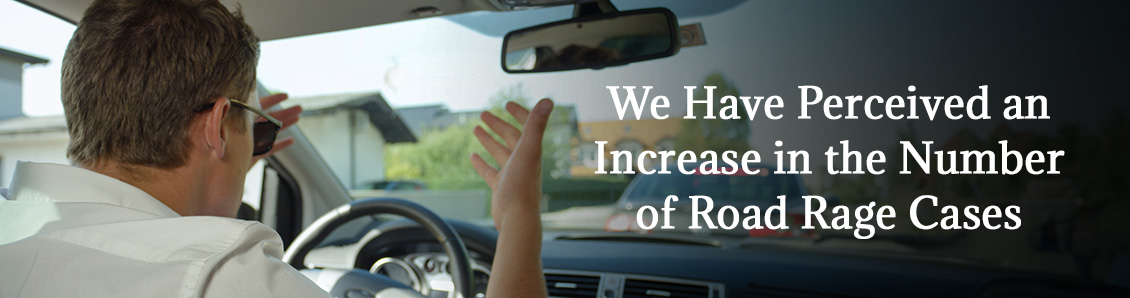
516	191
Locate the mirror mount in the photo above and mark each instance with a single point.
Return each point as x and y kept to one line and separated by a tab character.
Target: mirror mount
593	8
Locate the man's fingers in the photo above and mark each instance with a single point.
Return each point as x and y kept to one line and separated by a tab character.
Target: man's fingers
518	112
279	146
499	152
529	147
489	174
508	132
282	144
269	101
288	116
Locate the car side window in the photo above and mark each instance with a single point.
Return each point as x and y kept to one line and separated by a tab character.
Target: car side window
252	193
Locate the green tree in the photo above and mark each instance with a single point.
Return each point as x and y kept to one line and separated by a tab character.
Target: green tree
441	157
715	134
559	132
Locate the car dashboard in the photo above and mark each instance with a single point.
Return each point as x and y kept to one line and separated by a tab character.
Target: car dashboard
610	266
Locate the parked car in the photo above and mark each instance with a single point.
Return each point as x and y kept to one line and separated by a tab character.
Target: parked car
396	185
741	190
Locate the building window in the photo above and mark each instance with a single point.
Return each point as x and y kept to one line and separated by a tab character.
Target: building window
586	155
635	147
666	144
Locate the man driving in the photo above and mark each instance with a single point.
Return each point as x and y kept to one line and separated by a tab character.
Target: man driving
164	124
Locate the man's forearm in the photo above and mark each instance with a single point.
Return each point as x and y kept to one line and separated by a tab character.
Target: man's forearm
516	271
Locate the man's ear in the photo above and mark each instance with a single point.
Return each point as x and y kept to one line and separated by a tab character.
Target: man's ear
214	136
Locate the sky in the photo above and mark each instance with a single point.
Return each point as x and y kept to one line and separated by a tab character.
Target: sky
437	61
411	63
763	48
32	32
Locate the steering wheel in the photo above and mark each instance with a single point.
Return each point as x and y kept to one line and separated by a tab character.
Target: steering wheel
350	283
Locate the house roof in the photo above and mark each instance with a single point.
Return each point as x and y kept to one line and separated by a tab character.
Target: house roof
381	115
433	117
436	117
19	125
22	57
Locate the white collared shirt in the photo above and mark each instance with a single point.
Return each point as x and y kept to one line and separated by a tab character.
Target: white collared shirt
69	232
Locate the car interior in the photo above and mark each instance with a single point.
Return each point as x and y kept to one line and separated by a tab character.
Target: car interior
360	247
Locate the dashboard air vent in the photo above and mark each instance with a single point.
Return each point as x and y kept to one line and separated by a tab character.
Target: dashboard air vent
572	286
639	288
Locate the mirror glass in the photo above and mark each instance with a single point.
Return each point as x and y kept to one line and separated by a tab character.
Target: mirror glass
592	42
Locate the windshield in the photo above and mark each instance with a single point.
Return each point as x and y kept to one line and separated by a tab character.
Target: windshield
439	73
390	109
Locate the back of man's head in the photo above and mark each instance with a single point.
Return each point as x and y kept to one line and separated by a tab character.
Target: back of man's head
134	72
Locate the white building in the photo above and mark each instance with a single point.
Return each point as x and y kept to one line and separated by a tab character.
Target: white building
350	131
23	138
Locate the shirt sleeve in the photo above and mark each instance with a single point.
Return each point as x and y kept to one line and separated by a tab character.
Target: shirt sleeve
252	267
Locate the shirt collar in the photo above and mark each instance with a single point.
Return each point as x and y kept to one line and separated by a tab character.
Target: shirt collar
46	182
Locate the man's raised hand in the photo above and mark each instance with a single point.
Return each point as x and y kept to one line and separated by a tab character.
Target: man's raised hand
516	190
288	117
517	180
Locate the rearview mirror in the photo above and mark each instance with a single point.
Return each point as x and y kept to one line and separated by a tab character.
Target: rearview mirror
595	42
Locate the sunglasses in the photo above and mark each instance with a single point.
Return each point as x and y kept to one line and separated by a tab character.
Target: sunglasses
264	132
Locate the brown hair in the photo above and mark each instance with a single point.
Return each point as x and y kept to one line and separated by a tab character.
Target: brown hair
134	71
